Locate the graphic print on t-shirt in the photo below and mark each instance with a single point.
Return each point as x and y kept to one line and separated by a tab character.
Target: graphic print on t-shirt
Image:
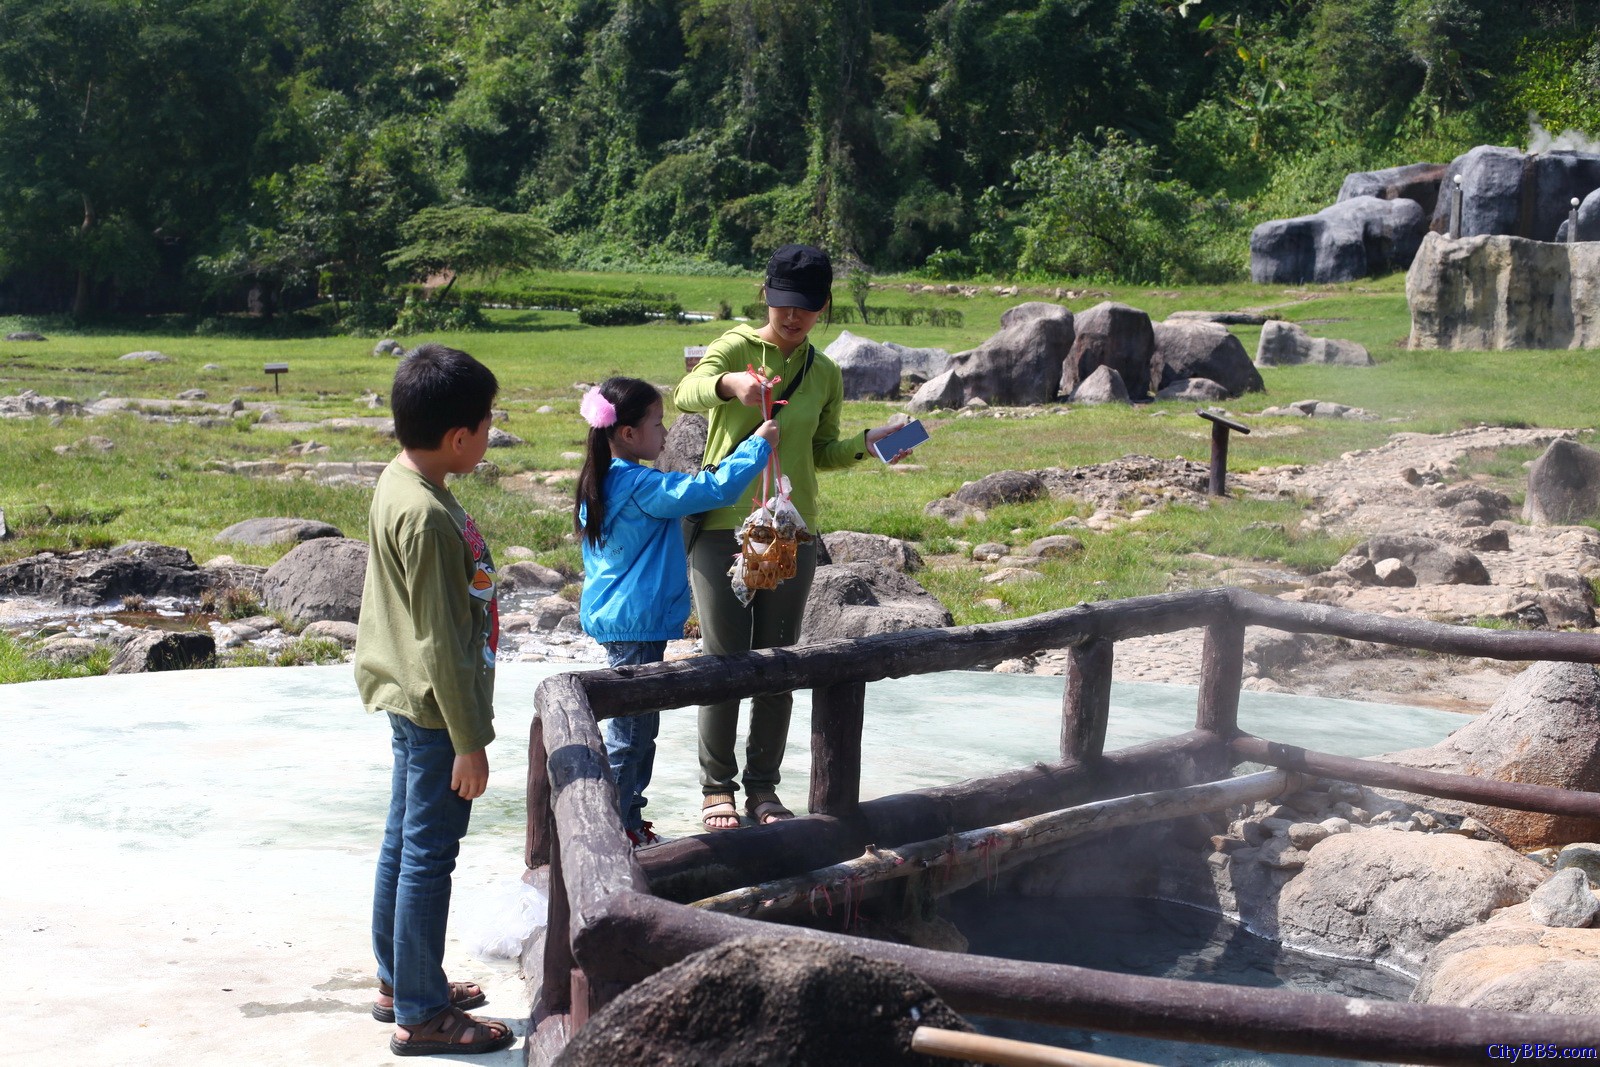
483	586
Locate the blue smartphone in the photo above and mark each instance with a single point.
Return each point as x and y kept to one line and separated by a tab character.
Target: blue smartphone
906	437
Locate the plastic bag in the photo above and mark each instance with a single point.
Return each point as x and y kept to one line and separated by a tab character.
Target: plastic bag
500	920
769	541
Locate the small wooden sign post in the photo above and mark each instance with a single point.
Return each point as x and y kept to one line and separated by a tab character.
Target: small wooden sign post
692	354
276	369
1220	425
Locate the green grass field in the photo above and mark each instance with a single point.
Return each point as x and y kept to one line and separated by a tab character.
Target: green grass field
155	484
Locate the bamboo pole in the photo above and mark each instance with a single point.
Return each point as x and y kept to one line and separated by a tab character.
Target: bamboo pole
993	848
1004	1052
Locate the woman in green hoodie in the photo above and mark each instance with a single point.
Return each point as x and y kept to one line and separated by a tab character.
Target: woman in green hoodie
798	289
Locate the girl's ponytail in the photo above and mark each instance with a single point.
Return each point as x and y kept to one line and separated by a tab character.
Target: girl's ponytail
609	406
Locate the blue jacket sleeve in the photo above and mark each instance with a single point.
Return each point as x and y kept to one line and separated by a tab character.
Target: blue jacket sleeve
669	495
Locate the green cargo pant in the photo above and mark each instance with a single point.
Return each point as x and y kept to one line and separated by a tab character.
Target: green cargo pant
772	620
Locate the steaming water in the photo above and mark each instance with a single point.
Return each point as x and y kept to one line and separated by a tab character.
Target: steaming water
204	786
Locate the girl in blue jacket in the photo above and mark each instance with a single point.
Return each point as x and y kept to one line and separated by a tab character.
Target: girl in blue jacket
635	570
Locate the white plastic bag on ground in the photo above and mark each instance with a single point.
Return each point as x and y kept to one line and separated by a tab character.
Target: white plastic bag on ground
500	920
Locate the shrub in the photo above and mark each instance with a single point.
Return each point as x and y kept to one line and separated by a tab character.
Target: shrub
431	316
627	313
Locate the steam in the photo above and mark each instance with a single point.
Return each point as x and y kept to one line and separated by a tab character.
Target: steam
1542	140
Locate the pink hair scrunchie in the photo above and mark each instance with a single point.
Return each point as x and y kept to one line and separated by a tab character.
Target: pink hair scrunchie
596	410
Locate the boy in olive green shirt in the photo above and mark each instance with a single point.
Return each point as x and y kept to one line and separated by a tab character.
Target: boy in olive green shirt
425	655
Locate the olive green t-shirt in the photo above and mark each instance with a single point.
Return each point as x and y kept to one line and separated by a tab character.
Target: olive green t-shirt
430	623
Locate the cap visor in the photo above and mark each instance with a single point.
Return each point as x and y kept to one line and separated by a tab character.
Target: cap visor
785	298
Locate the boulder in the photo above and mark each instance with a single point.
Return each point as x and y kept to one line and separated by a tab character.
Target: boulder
848	546
389	347
1194	390
319	579
871	370
65	648
920	363
685	447
1507	192
1391	897
549	611
1187	349
950	509
1051	546
766	1001
1414	181
1111	335
1564	900
162	650
943	390
1588	220
92	577
1512	963
1019	365
1345	241
1221	318
1544	730
1285	344
342	632
1392	572
1431	562
1002	487
1583	856
528	577
1563	485
1497	292
277	531
499	438
24	335
861	599
1102	386
145	357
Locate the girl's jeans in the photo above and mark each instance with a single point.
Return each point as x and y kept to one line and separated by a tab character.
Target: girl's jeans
411	898
631	739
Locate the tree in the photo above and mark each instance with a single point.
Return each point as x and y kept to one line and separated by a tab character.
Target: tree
469	240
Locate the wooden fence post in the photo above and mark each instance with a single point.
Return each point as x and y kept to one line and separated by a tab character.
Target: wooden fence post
558	961
541	824
837	713
1086	701
1221	671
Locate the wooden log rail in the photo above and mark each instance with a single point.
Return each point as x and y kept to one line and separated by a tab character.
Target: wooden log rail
992	850
612	931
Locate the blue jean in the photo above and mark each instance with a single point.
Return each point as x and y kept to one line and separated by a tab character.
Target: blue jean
411	897
631	739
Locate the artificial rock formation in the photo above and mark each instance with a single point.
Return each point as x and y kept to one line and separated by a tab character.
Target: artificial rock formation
1351	239
1415	181
1507	192
1021	364
1111	335
1496	292
871	371
1189	349
1286	344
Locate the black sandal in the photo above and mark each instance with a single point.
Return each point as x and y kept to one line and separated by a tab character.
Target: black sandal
440	1036
462	995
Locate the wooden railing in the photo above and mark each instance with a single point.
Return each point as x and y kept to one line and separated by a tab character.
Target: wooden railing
611	921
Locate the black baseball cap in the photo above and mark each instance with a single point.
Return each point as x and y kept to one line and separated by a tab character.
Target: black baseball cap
799	276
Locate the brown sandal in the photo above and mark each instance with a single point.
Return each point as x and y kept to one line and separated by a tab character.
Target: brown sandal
462	995
441	1036
766	808
718	806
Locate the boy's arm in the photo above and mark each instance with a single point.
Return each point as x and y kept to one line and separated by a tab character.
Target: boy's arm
450	643
669	495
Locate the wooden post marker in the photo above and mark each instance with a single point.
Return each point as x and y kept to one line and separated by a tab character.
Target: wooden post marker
1220	425
276	369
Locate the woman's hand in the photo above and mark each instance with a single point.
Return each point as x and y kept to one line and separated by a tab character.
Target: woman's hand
768	432
878	433
742	386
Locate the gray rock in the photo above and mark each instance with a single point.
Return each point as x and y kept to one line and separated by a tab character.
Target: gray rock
1019	365
1414	181
1102	386
277	531
388	347
1221	318
1432	562
1194	390
685	447
1544	730
1563	485
1588	220
920	363
499	438
861	599
1002	487
25	335
989	551
1513	964
161	650
342	632
529	577
766	997
1564	900
1392	572
871	370
145	357
1201	350
848	546
193	394
1054	546
950	509
1391	897
1583	856
1507	192
1033	309
944	390
1501	292
548	612
96	576
1286	344
1111	335
320	579
1306	835
64	648
1351	239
